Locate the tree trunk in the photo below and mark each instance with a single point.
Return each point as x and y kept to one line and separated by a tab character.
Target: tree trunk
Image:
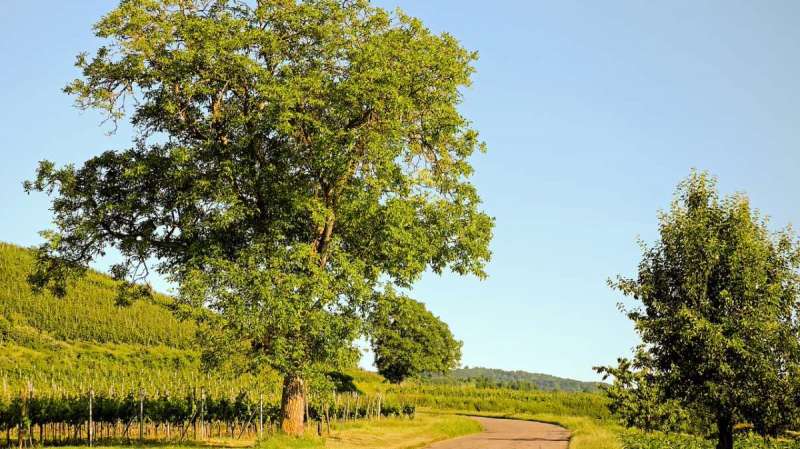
293	405
725	432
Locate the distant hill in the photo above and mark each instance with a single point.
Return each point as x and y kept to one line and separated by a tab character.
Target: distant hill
521	380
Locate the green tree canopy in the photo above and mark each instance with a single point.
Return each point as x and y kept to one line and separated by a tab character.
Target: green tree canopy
409	340
292	158
636	398
718	311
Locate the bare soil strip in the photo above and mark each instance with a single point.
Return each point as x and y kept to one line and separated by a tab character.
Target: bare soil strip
510	434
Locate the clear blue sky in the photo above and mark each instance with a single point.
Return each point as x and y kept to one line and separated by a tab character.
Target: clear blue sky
592	112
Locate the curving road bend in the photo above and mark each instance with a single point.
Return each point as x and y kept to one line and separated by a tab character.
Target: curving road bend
510	434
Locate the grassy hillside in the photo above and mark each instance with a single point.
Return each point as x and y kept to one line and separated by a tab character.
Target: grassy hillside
87	313
86	339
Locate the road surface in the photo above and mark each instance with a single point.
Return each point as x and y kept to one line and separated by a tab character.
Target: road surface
510	434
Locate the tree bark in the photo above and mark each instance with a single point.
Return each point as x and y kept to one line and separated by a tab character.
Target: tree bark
725	432
293	405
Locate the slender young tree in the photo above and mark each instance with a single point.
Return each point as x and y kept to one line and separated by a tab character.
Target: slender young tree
292	158
718	312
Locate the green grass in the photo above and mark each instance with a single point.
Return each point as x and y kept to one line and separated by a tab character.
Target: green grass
399	433
586	432
636	439
285	442
392	433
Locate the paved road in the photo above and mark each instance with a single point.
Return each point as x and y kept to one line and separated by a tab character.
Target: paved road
510	434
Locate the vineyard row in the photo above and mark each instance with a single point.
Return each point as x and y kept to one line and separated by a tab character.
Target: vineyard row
88	418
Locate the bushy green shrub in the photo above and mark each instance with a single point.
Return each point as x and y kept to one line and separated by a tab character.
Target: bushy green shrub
636	439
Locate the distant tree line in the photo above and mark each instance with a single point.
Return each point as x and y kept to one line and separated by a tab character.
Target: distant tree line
515	380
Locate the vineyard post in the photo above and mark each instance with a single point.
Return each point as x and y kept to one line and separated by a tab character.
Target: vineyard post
20	419
305	399
29	422
328	416
8	427
141	414
23	414
194	412
202	413
261	415
335	405
91	421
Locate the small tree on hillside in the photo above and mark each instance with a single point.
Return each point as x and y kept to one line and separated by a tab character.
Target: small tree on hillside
408	340
292	158
718	312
